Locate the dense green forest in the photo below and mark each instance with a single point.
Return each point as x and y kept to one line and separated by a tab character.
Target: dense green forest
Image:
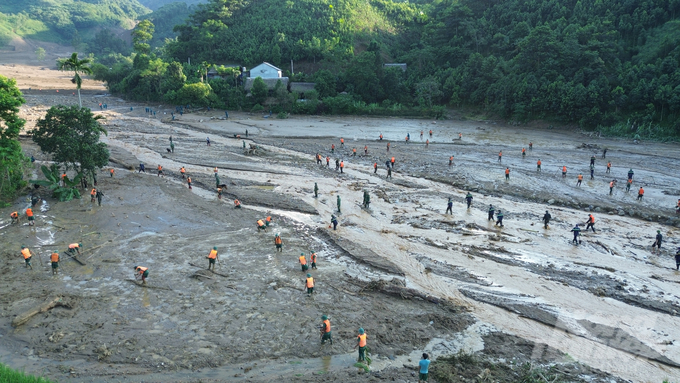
64	21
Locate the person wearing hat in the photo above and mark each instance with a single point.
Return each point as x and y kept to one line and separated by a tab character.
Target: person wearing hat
212	257
279	243
546	219
261	225
303	262
657	242
27	256
141	272
74	247
312	257
334	222
361	343
54	260
309	284
491	211
326	330
577	231
499	217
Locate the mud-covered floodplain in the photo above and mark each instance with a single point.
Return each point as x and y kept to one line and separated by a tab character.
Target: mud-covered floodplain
415	278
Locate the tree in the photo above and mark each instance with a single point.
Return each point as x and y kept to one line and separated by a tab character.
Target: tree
259	91
141	35
77	66
40	53
71	134
12	159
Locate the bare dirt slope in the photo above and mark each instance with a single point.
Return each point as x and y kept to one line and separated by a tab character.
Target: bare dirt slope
415	278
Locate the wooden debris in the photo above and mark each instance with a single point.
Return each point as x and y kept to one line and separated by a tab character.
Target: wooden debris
25	317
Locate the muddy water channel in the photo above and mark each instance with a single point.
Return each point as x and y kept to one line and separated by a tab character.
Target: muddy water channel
414	278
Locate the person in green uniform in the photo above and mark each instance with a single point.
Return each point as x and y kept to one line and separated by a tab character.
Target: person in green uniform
325	330
316	190
338	200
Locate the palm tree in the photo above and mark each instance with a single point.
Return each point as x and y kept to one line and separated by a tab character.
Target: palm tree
77	66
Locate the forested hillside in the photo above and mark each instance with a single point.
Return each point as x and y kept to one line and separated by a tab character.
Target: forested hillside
155	4
65	21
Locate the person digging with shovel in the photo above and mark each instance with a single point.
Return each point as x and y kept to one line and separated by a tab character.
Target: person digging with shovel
141	272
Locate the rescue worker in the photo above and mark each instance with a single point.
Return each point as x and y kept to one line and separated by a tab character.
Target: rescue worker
427	143
641	193
334	222
74	248
592	160
189	182
160	170
564	171
111	172
491	211
367	199
15	215
389	173
611	187
54	261
27	256
361	343
29	215
381	136
609	167
449	206
172	145
630	174
93	194
342	142
215	170
468	198
392	162
182	171
342	166
577	232
207	141
303	262
219	193
316	190
237	204
499	216
388	146
500	156
592	172
312	258
538	165
325	330
450	160
141	272
354	152
365	150
332	148
580	179
375	168
430	132
338	202
99	197
628	183
657	241
677	208
328	162
546	219
590	223
268	220
278	243
507	174
212	258
261	225
524	152
309	283
677	259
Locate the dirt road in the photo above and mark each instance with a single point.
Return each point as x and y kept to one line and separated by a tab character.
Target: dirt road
416	279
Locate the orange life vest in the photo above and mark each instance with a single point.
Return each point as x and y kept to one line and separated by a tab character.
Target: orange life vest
451	158
181	170
362	340
354	150
500	154
111	170
213	254
93	192
327	325
189	180
142	269
313	257
26	253
29	212
73	246
580	177
538	163
365	147
269	218
507	171
592	219
641	192
277	240
342	140
342	164
14	215
260	223
332	146
303	260
430	131
524	150
160	168
381	136
63	176
564	169
611	184
237	202
392	159
609	164
310	282
215	170
375	165
54	257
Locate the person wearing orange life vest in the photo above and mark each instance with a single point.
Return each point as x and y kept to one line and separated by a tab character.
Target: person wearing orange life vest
309	284
93	194
160	170
427	143
392	162
312	257
365	150
111	172
611	186
29	215
342	165
325	330
268	220
54	260
182	171
524	152
538	165
328	161
189	182
580	179
381	136
507	174
219	193
342	142
590	223
74	247
500	156
141	272
27	256
628	183
451	161
361	343
15	216
564	171
332	148
430	132
375	168
303	262
279	243
388	146
609	167
237	204
460	136
641	193
212	257
354	152
261	225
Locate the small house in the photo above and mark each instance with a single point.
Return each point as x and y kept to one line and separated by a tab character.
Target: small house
266	70
401	66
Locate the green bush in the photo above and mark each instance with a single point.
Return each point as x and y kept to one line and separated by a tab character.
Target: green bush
13	376
257	108
197	94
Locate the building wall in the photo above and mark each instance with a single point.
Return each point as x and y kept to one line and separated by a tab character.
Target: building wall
265	71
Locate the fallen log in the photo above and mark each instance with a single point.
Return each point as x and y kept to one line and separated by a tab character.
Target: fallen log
213	271
75	258
23	318
147	286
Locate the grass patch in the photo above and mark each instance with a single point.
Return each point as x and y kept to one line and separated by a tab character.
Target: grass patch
10	375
